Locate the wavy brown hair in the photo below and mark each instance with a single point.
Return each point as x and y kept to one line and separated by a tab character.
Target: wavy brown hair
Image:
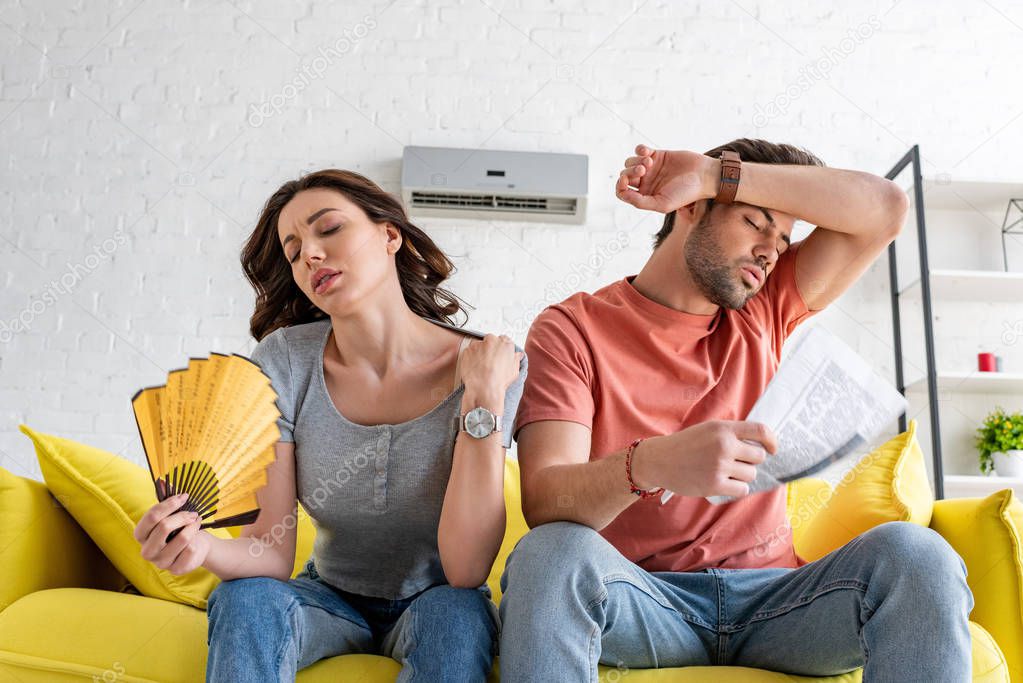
421	265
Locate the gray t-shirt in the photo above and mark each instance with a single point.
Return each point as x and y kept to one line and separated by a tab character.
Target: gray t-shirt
374	492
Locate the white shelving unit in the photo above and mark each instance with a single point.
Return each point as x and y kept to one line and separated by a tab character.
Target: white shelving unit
967	257
977	486
969	285
973	383
984	196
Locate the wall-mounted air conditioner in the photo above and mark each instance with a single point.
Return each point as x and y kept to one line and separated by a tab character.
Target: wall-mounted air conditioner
494	184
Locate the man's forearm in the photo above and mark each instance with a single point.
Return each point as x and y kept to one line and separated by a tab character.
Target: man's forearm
850	202
590	493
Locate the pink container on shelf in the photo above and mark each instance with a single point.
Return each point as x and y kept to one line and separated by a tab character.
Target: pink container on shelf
986	362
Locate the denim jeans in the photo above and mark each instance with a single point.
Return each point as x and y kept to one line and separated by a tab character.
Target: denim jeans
264	629
894	600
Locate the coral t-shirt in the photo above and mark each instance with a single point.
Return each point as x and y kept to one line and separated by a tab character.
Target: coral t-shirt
626	367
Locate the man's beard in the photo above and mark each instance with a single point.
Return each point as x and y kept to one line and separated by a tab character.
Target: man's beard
710	270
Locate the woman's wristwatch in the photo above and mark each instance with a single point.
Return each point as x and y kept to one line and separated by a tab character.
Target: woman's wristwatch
479	423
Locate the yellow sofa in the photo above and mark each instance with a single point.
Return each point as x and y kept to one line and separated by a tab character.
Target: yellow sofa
65	614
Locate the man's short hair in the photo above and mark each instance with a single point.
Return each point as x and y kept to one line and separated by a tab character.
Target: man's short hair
756	151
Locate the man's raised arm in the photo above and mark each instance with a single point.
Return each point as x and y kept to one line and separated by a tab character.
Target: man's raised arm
857	214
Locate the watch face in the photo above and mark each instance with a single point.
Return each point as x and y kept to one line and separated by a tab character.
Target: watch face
479	422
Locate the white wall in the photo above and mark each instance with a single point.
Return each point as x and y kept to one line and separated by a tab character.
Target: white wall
140	139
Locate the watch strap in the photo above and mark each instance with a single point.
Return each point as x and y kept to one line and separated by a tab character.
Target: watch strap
730	171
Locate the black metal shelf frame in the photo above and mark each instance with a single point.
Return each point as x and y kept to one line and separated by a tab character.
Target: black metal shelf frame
912	160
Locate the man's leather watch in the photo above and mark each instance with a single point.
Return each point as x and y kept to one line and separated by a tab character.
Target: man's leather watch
730	171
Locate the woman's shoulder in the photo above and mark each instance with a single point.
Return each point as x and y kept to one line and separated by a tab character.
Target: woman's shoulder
294	341
313	330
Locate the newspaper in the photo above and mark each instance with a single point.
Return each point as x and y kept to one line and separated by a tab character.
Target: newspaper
823	404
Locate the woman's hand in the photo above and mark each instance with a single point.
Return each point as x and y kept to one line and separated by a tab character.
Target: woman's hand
666	181
489	366
186	551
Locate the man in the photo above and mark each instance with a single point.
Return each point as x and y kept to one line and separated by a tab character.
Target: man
643	385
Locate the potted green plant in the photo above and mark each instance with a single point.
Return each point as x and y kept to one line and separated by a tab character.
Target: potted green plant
1000	442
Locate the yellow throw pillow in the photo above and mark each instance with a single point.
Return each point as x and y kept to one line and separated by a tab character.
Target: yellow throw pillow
804	498
107	495
988	534
888	485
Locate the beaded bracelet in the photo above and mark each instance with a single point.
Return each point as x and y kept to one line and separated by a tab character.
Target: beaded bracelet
642	493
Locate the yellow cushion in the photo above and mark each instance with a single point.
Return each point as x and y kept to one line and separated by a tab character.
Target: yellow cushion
34	523
888	485
988	534
515	525
107	496
305	536
71	634
76	634
68	634
804	498
989	665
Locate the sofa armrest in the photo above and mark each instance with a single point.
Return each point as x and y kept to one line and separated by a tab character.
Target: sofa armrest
988	534
41	545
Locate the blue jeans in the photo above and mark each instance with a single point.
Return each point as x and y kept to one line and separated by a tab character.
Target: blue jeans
894	600
263	629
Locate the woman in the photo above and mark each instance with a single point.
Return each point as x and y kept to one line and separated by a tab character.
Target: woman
373	385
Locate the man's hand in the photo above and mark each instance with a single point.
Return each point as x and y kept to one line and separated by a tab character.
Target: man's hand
666	181
711	458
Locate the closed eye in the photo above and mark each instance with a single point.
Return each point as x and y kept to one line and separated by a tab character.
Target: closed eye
325	232
784	238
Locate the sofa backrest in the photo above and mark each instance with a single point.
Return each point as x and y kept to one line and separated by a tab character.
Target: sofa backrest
42	546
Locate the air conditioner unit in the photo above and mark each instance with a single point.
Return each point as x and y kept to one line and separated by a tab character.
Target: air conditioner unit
494	184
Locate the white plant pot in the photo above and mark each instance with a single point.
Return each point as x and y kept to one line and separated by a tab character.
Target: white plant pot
1009	464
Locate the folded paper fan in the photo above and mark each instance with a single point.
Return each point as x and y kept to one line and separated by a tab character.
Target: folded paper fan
210	432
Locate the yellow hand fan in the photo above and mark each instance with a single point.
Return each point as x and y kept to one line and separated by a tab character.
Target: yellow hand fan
210	432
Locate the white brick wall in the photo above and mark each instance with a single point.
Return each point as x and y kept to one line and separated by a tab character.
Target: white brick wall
132	125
